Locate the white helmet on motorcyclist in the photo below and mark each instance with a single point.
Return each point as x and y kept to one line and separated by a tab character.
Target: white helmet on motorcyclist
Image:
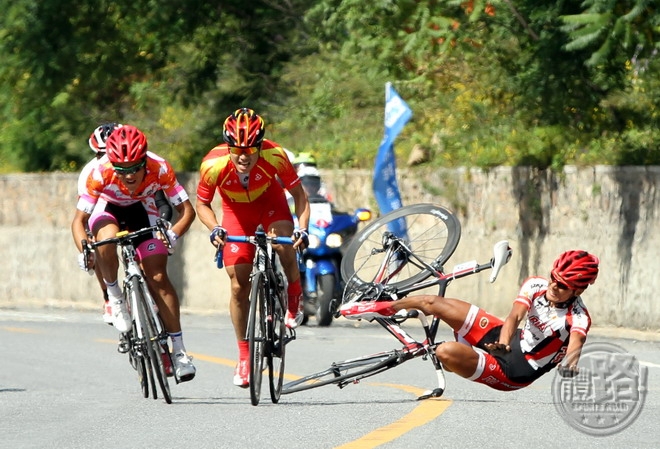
306	170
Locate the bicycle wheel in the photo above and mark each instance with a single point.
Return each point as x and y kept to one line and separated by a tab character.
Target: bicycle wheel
136	360
343	373
276	348
138	357
256	334
152	345
433	233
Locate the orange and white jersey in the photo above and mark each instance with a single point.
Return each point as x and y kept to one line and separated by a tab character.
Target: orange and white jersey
273	171
104	186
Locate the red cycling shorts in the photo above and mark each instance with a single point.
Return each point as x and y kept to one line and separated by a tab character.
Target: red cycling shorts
479	328
243	219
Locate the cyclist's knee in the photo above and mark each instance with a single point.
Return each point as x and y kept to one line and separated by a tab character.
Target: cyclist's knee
449	352
457	357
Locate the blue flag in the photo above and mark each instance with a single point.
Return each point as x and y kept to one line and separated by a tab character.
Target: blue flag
385	186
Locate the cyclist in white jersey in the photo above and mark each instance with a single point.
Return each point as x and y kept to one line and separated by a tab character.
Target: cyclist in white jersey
97	144
509	358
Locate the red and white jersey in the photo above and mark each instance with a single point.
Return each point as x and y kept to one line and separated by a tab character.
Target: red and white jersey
544	337
104	186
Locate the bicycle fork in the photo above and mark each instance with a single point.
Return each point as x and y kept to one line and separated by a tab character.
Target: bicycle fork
413	348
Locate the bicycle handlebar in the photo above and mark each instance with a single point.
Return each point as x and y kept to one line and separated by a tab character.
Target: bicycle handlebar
260	237
126	236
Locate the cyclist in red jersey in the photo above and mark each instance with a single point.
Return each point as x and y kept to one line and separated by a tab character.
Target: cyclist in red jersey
251	173
509	358
120	195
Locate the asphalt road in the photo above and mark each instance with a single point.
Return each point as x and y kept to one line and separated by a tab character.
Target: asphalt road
63	385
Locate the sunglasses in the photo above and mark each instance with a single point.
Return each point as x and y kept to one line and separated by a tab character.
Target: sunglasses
131	170
248	151
560	285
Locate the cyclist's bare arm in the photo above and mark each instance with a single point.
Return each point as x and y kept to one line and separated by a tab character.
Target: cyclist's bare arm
301	205
207	216
186	217
78	228
569	366
517	314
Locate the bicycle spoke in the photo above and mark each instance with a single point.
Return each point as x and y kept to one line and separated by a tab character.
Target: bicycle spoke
432	235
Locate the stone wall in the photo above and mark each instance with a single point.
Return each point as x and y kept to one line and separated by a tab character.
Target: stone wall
609	211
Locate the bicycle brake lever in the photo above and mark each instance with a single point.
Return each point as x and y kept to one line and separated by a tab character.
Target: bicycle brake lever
502	254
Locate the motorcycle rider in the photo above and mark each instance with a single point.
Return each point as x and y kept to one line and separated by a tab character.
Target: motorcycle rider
305	165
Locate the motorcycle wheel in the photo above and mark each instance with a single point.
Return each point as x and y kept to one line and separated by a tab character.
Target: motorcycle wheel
325	299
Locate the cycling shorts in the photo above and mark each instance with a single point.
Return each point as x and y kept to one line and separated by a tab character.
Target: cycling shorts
506	372
128	218
243	219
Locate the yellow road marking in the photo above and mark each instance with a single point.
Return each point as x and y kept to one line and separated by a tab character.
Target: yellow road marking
23	330
425	412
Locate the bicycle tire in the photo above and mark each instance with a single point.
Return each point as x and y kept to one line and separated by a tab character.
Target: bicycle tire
152	344
342	373
137	362
157	357
325	299
276	348
433	234
137	351
256	334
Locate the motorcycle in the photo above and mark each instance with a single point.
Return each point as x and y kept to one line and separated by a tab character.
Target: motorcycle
329	231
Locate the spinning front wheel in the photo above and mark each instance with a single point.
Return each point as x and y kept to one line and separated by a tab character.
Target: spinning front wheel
431	233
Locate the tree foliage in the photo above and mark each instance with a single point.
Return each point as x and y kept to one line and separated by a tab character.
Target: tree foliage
490	82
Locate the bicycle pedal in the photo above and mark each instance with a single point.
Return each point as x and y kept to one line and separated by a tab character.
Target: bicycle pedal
124	345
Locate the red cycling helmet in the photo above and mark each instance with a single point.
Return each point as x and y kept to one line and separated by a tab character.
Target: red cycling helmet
100	135
243	129
577	269
126	144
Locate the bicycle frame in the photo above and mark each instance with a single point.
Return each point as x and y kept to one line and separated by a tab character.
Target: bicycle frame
147	339
353	370
266	331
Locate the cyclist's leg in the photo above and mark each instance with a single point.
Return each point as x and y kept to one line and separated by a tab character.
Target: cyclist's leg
153	257
105	257
454	312
239	304
106	220
103	224
240	219
281	224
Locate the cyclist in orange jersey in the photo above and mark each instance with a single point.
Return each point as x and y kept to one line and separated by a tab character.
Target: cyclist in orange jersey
120	194
251	174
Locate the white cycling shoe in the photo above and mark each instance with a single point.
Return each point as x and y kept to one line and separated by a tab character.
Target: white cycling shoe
121	319
183	366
